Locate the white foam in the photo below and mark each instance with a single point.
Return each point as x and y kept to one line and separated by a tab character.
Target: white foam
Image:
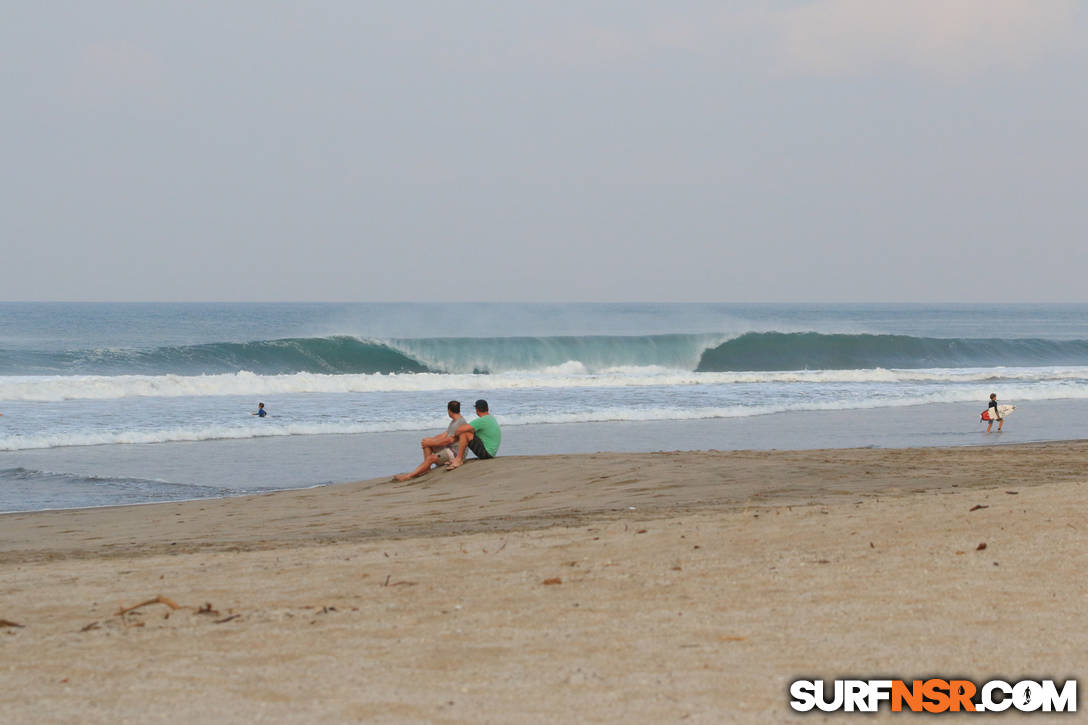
568	375
201	433
617	413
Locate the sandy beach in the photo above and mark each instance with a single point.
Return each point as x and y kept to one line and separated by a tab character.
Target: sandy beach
656	587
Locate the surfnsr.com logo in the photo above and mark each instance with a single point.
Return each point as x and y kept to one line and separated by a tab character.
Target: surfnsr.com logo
933	695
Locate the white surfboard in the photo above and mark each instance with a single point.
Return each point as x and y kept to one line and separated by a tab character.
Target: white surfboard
1002	412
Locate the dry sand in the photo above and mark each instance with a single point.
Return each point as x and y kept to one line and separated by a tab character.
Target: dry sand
686	587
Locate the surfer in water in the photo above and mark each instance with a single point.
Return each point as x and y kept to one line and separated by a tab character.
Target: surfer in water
261	412
994	414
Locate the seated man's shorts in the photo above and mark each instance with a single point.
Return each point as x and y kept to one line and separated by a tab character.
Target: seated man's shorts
476	446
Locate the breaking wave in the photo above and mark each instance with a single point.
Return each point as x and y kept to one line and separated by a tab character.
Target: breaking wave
333	355
577	355
816	351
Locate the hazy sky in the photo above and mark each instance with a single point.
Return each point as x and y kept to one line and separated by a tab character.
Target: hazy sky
817	150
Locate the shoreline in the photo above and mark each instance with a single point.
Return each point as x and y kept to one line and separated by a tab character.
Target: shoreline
437	602
508	494
379	479
123	474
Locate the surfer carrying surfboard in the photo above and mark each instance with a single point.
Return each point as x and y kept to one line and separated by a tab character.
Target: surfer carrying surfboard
995	414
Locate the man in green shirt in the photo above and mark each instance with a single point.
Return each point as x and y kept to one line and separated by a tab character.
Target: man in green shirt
482	436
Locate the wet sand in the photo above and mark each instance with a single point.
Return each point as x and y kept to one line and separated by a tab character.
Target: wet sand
596	588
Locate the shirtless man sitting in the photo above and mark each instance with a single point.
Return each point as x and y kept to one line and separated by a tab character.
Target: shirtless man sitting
438	449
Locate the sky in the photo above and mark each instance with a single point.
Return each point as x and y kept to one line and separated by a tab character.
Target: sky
600	150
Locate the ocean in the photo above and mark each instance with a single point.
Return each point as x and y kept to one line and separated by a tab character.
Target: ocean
107	404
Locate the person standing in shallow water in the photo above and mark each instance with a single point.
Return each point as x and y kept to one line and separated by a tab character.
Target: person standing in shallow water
994	414
261	412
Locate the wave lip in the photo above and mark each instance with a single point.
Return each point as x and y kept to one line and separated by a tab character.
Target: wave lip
770	351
